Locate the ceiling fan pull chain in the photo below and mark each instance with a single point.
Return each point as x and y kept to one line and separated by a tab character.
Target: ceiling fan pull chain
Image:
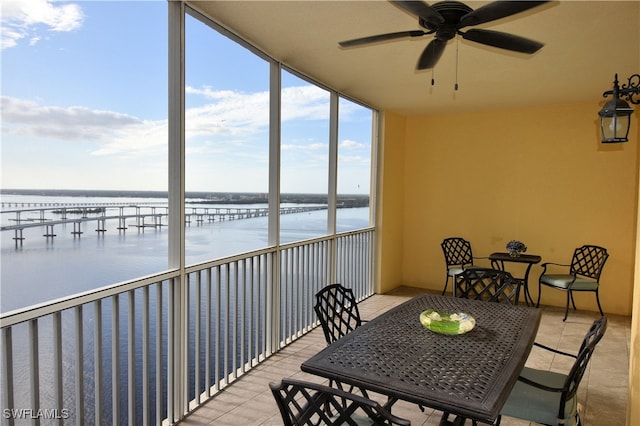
457	49
433	80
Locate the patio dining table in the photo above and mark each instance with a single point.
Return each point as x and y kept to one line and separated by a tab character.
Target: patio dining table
468	375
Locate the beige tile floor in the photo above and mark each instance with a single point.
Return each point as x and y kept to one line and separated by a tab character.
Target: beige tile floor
602	393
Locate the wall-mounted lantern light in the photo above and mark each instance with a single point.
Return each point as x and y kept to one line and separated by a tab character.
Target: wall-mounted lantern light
615	114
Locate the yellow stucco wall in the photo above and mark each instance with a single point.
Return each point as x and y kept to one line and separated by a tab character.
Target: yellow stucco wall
390	202
539	175
633	407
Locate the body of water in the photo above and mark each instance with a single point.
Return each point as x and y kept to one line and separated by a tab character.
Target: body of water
39	269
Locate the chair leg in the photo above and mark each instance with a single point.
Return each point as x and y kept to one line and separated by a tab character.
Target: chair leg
566	309
446	284
573	302
539	294
598	301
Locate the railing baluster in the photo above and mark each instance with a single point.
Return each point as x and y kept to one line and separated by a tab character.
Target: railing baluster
207	337
34	367
196	343
226	324
308	299
290	295
251	310
171	344
234	323
159	364
260	350
242	301
217	328
183	342
145	356
79	364
7	364
302	275
97	361
57	363
131	360
115	358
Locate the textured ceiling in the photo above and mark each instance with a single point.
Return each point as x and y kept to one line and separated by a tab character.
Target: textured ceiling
586	43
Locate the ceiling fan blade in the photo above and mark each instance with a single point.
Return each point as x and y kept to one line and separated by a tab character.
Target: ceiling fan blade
381	37
431	54
497	10
502	40
422	10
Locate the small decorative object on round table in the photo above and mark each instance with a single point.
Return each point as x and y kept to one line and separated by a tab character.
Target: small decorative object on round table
516	248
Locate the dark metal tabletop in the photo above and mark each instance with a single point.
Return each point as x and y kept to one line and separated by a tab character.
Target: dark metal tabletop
523	258
470	375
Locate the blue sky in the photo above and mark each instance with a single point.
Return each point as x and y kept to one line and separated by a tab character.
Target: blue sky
84	106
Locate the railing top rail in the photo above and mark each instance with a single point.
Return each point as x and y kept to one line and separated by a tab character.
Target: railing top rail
246	255
8	319
11	318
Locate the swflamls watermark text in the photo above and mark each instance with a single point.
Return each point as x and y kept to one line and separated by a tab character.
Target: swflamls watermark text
41	413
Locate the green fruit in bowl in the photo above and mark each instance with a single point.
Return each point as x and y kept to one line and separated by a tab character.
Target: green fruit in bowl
443	323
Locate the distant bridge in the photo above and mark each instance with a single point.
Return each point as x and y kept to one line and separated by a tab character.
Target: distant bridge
144	215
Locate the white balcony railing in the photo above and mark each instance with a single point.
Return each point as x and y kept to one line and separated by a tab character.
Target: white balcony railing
150	350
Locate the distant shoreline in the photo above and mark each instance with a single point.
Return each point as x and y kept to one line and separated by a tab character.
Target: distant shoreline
344	200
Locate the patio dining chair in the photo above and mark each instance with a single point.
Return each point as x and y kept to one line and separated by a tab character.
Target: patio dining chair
337	311
457	257
492	285
304	403
584	275
549	397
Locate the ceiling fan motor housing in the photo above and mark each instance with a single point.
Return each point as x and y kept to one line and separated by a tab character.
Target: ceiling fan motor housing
451	11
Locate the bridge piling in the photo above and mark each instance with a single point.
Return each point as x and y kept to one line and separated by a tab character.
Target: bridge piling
76	229
49	232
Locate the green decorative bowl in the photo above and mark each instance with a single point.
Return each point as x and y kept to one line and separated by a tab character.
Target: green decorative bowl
444	323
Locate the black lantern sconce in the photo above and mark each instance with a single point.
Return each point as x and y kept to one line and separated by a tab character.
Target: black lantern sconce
615	115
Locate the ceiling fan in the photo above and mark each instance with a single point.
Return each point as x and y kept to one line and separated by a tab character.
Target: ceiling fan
446	18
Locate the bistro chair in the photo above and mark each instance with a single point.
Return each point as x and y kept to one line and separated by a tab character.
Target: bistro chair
304	403
337	311
548	397
584	275
492	285
457	256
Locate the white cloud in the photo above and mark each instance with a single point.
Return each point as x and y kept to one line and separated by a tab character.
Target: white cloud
308	147
349	144
24	19
237	112
231	113
23	117
116	133
230	119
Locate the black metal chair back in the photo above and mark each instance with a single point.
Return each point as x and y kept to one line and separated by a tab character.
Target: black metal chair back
589	261
457	252
563	394
591	339
337	311
487	284
303	403
573	379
